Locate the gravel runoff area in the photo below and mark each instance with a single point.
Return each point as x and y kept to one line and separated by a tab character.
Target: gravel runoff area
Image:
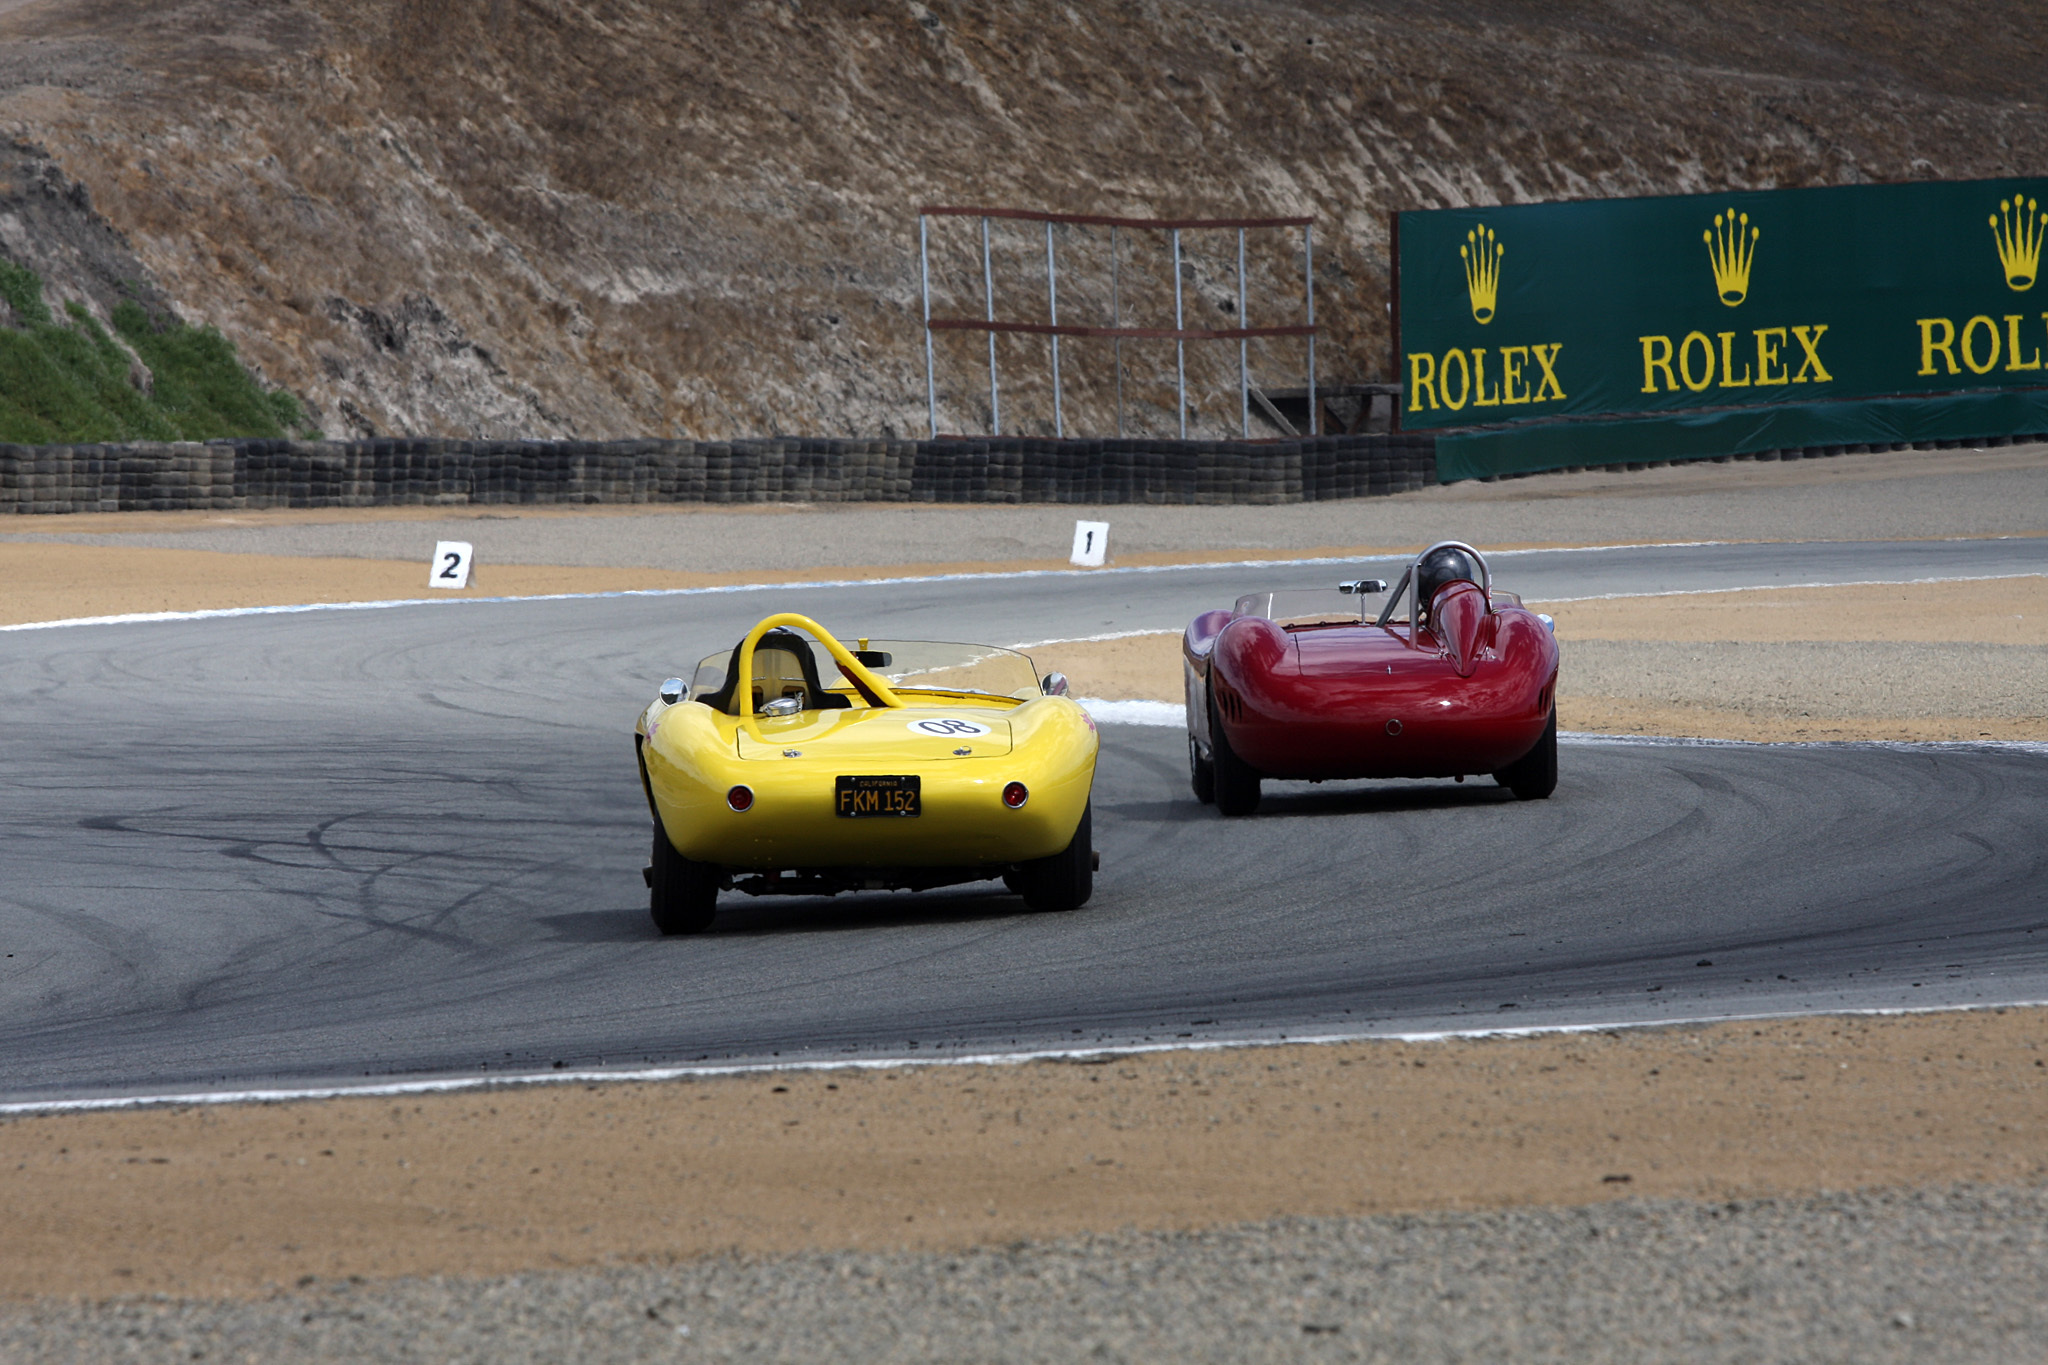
1892	496
1953	1275
1899	680
1822	1187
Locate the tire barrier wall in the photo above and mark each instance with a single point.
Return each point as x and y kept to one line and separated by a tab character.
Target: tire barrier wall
237	475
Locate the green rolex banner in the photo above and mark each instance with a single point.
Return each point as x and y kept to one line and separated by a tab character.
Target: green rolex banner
1690	304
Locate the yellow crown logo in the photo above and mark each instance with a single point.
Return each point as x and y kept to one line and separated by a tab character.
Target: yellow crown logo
2019	240
1731	246
1482	252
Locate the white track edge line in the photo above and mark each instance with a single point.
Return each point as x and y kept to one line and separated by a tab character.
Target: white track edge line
650	1075
1097	639
218	613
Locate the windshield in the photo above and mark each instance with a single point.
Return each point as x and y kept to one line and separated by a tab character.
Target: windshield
910	663
1311	606
953	667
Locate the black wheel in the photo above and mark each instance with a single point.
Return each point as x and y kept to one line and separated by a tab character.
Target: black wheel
1201	775
682	894
1237	783
1065	880
1533	776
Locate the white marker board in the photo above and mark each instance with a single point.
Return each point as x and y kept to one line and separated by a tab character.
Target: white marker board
1091	542
450	568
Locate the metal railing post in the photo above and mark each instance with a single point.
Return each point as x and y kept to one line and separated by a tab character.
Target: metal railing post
1116	319
1052	302
988	288
1244	372
1308	256
924	270
1180	346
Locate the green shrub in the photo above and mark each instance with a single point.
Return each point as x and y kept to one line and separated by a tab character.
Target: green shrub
23	291
68	380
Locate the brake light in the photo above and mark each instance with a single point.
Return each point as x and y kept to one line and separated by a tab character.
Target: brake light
1014	795
740	798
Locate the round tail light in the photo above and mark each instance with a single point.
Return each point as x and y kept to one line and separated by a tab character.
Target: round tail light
1014	795
740	798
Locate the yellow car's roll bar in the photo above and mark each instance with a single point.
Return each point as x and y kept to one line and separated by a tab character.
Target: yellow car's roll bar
871	688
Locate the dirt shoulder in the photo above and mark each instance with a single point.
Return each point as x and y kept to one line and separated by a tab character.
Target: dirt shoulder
64	567
242	1199
1891	496
57	582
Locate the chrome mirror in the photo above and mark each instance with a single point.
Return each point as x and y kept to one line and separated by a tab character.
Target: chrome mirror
671	691
783	706
1054	685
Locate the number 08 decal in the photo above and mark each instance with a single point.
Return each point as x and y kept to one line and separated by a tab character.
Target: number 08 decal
947	727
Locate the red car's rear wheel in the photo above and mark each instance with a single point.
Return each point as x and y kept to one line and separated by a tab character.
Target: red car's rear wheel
1237	783
1533	776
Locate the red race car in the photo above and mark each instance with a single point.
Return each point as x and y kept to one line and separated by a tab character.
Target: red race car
1315	684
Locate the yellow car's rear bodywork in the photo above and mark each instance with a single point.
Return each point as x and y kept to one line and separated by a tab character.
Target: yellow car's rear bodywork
964	747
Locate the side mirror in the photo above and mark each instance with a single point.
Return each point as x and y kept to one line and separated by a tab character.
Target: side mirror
1054	685
1363	586
671	691
872	658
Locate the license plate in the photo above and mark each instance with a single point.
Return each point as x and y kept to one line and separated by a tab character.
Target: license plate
859	797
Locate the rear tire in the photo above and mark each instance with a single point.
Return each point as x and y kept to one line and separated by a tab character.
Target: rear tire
1533	776
1065	880
682	894
1201	774
1237	783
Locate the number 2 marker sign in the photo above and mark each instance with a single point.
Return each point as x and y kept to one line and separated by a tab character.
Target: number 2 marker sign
450	568
1091	540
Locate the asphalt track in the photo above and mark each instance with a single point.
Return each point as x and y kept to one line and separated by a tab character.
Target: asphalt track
370	845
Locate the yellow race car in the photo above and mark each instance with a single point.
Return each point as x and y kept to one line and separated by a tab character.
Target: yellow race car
904	765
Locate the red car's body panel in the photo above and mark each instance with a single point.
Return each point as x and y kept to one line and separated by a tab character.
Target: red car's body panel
1471	694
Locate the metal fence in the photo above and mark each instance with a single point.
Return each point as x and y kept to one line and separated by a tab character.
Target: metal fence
1180	334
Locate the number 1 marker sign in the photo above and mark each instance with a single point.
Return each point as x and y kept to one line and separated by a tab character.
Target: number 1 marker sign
1091	540
450	568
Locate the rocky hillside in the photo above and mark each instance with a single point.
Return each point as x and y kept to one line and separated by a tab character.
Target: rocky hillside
697	218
